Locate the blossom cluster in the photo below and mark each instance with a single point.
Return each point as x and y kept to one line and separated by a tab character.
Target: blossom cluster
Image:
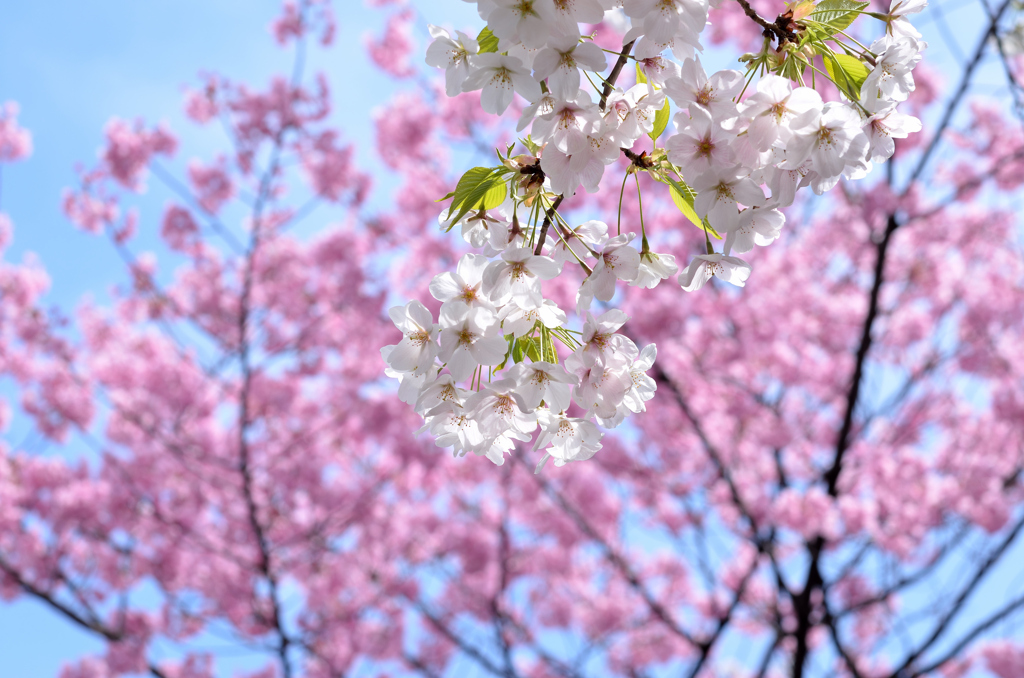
727	148
495	319
743	144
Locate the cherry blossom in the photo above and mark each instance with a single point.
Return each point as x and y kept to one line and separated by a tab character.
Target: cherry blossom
417	350
653	269
451	55
705	266
561	61
777	110
564	439
15	141
715	94
468	339
701	145
525	21
500	77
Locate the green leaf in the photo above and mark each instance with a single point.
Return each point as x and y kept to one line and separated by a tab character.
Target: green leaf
533	349
550	354
682	196
487	41
793	68
848	72
641	79
661	121
835	72
517	352
511	339
530	145
837	15
526	347
479	188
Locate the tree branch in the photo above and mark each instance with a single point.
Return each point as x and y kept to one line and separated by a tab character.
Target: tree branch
609	85
958	95
943	623
833	628
707	645
1003	612
770	29
831	476
453	638
656	608
613	75
548	216
263	196
90	625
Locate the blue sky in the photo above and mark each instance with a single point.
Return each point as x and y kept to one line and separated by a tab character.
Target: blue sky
74	65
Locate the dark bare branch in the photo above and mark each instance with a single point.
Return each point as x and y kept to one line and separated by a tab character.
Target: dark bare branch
613	75
958	603
617	560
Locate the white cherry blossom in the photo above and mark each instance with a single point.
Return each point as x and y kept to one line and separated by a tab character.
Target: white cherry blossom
602	384
777	109
409	384
630	114
891	77
583	163
496	448
618	261
642	386
570	13
601	341
719	191
827	141
519	321
784	183
653	269
500	410
416	352
705	266
782	136
657	69
442	389
566	439
662	20
453	427
898	26
516	277
525	21
539	108
561	61
469	338
451	55
701	146
500	77
693	87
465	284
542	381
568	123
885	125
756	226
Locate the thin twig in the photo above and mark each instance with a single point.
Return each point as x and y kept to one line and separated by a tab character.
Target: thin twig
609	84
958	95
770	29
547	224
